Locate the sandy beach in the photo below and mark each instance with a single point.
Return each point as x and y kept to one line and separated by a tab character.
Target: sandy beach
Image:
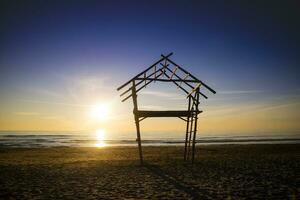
220	172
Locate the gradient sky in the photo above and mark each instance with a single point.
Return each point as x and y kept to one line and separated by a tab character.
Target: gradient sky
57	58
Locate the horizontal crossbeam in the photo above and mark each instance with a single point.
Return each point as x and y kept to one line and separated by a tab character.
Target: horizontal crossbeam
119	88
165	113
167	80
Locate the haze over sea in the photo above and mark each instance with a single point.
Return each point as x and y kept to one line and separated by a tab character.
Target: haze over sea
80	139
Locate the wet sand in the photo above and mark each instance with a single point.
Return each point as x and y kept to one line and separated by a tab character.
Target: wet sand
220	172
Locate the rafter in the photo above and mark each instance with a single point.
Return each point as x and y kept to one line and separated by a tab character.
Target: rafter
209	88
119	88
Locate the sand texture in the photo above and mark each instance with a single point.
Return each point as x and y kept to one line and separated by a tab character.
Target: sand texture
220	172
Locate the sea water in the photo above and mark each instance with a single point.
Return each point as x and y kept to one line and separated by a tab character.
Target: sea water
58	139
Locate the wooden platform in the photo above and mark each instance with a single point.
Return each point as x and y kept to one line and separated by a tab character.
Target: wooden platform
165	113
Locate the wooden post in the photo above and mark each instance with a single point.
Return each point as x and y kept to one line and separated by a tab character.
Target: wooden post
190	132
187	129
195	125
137	123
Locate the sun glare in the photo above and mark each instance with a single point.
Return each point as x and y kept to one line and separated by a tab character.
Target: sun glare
99	111
100	136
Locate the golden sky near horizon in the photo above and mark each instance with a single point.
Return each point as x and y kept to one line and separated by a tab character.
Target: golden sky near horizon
85	108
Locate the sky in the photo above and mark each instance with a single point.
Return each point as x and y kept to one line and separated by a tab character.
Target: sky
58	59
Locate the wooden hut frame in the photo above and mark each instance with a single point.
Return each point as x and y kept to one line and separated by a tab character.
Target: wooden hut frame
165	70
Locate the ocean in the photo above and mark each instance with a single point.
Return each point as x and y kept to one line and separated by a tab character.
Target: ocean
36	139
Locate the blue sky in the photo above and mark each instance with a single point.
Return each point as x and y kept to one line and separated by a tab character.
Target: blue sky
56	51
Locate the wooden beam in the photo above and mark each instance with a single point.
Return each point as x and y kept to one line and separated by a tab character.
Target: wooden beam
165	113
142	119
137	123
196	88
139	89
195	128
209	88
179	77
190	135
164	65
119	88
186	76
166	80
177	84
147	83
187	130
186	82
138	83
173	72
182	119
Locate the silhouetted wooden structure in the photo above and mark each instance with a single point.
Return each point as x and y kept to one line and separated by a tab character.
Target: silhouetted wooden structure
165	70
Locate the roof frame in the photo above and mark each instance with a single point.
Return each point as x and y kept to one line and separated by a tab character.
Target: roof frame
162	74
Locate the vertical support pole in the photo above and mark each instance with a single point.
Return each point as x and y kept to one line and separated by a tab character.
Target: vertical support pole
195	126
137	123
190	132
187	130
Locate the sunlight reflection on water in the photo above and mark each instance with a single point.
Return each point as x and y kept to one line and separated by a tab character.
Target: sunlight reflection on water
100	135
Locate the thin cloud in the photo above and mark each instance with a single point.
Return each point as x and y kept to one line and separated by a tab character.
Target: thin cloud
278	106
240	92
169	95
47	93
53	117
159	94
247	109
152	107
55	103
27	113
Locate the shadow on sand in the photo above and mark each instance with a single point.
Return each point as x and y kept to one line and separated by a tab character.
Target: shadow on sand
177	183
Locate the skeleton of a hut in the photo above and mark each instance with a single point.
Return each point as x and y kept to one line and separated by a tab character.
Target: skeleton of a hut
165	70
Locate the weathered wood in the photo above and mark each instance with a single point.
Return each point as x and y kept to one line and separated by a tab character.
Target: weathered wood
177	84
186	82
195	128
119	88
138	83
195	88
142	119
139	88
167	80
165	65
209	88
203	95
187	129
173	72
147	83
155	71
193	121
189	135
180	78
137	123
182	119
165	113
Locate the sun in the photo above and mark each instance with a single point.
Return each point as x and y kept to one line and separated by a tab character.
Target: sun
100	133
99	111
